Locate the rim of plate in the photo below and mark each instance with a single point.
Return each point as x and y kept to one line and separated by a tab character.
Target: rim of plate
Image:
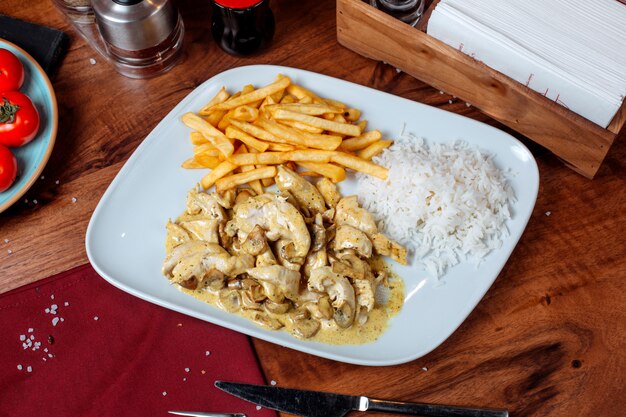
54	117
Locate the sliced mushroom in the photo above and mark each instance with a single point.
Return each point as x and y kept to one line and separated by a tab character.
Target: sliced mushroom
255	242
277	308
349	265
305	328
247	302
214	280
319	233
267	321
229	300
339	290
243	196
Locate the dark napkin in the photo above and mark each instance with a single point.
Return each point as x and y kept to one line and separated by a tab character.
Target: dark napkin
111	354
46	45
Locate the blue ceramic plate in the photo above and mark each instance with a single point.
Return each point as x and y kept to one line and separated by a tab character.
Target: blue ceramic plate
32	158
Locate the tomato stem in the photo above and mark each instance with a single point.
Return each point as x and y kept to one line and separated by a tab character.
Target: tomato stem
7	111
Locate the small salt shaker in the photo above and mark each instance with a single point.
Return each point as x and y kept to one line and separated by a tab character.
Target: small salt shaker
242	27
143	38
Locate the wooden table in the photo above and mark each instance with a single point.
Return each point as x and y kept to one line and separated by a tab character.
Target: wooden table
548	338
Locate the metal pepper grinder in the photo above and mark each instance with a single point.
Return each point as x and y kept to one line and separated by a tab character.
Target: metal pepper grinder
143	38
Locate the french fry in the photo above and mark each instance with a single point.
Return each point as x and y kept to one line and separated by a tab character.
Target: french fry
329	125
352	115
288	99
233	132
215	117
309	155
281	147
235	180
340	119
265	158
374	149
333	172
310	174
357	164
256	131
207	149
224	168
310	109
303	139
360	142
300	92
220	97
245	113
248	88
362	125
335	103
301	126
253	96
213	135
191	163
256	184
197	139
305	100
207	161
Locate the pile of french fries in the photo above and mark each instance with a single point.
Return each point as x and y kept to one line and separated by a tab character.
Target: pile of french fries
243	136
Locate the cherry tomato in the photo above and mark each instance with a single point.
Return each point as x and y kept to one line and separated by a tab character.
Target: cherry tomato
11	71
19	119
8	168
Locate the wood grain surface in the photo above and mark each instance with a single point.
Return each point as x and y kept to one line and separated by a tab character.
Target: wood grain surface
548	338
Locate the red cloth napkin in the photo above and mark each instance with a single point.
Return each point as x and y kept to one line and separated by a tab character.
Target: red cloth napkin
74	345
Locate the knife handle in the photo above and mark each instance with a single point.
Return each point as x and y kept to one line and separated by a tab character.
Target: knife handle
433	410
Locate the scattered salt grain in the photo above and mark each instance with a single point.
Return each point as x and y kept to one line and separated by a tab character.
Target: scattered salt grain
57	182
50	355
207	353
449	101
179	325
66	304
258	407
424	369
184	379
29	369
441	92
47	310
19	367
45	349
42	177
203	372
44	359
186	369
164	393
22	337
548	213
34	201
55	321
96	318
6	240
30	330
92	61
272	382
468	105
74	200
26	200
32	337
9	251
52	296
62	319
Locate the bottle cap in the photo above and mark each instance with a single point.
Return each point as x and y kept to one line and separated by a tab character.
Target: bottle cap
238	4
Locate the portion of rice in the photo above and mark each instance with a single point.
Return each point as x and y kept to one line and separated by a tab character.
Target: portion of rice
446	203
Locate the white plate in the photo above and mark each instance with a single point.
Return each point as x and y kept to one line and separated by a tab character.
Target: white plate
125	238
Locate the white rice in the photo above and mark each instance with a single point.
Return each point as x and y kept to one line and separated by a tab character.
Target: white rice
446	203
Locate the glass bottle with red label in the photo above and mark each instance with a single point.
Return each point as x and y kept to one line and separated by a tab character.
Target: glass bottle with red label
242	27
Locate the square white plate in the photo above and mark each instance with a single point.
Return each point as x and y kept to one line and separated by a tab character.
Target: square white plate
125	238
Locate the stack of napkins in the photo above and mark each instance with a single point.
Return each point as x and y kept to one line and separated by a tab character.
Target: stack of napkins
571	51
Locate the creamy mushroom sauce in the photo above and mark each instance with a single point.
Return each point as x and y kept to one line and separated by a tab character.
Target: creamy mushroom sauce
330	333
304	259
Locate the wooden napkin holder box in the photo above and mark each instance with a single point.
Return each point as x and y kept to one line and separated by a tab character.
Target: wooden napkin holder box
581	144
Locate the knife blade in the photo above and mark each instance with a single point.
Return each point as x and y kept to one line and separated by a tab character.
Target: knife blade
325	404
